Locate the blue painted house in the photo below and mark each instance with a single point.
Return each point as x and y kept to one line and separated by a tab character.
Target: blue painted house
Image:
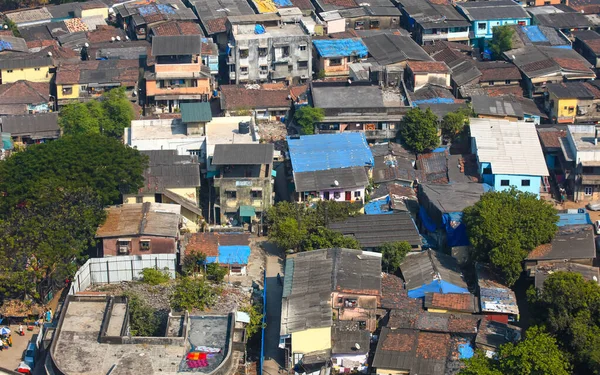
431	271
485	15
509	154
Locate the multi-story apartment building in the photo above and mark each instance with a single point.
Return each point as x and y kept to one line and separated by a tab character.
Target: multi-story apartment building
178	74
262	47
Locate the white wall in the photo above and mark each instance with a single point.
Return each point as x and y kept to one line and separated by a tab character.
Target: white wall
117	269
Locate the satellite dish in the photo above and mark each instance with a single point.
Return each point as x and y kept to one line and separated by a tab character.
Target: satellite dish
118	38
336	183
86	44
49	54
112	39
357	346
595	278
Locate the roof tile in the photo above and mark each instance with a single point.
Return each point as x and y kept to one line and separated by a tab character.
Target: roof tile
428	67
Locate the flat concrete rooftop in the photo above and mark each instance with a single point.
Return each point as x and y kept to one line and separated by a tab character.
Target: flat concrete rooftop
78	350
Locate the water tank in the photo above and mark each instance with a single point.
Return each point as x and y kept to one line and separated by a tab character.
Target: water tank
244	127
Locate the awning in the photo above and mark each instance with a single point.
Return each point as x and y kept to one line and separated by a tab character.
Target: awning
247	211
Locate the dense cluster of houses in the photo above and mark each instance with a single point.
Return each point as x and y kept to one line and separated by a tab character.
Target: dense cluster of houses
212	81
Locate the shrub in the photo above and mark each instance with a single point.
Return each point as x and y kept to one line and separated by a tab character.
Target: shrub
193	294
155	277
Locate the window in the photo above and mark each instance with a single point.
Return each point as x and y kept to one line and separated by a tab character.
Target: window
504	183
302	47
326	195
144	244
522	23
491	83
244	69
262	52
285	51
231	194
256	194
123	246
9	71
588	190
481	26
36	69
546	2
290	68
336	195
525	182
302	64
264	69
335	62
83	88
374	24
487	170
357	194
67	90
507	81
243	53
571	110
139	199
359	25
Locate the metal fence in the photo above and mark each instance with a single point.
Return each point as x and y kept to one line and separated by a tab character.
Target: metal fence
117	269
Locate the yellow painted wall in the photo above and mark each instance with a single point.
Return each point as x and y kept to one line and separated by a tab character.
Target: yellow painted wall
384	371
95	12
559	109
311	340
187	193
74	95
437	310
131	199
27	74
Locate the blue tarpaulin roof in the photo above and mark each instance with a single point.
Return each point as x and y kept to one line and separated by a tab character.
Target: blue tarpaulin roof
321	152
234	254
433	101
465	351
426	220
378	207
341	47
283	3
574	219
534	34
211	260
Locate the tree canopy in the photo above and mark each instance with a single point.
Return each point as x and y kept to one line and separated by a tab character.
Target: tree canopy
569	307
104	165
42	242
419	130
294	226
109	115
501	40
307	117
538	354
504	226
454	123
393	254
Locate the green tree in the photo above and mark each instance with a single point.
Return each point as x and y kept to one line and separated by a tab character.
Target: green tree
109	116
216	272
419	130
538	354
46	241
307	117
256	316
323	238
77	118
143	319
569	307
501	41
193	262
294	226
193	294
505	225
393	254
118	112
454	123
104	165
155	277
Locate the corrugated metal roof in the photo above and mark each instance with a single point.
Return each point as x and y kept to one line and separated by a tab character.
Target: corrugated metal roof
352	177
326	151
176	45
511	148
195	112
243	154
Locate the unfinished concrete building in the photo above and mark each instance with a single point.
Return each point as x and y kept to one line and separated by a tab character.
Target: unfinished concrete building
267	47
